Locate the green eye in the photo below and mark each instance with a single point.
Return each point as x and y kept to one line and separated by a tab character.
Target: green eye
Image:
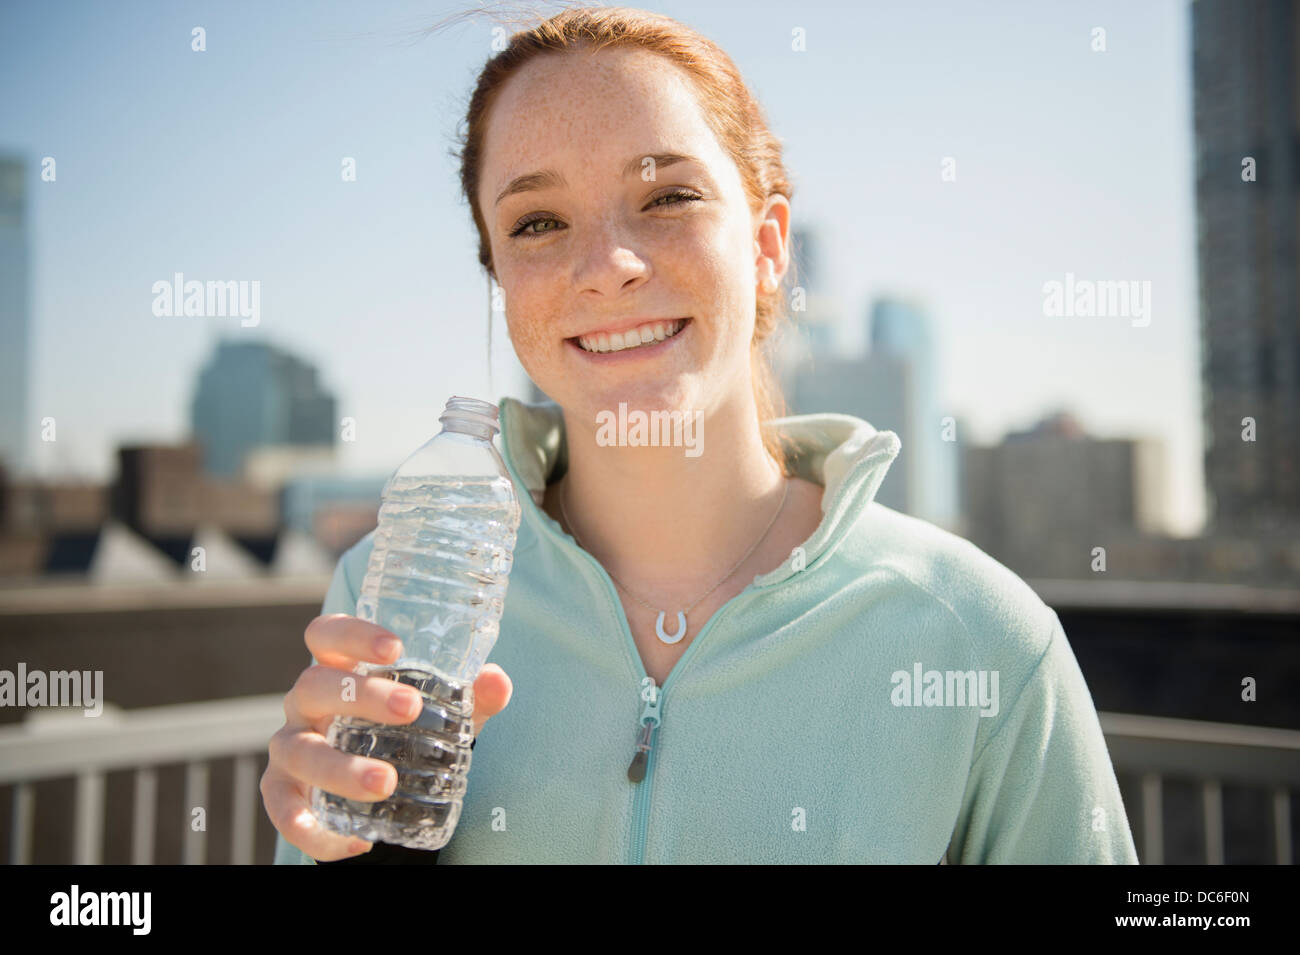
527	222
522	227
687	196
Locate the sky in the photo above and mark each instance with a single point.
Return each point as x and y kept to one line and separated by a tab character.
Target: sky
225	164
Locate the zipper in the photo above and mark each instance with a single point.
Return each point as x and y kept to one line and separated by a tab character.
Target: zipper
637	772
648	723
641	769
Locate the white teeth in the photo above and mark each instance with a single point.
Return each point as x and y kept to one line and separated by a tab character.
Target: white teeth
634	338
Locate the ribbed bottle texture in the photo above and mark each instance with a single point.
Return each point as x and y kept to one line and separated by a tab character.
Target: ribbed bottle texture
437	579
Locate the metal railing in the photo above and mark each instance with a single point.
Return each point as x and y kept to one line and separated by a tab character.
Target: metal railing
1152	748
63	744
60	744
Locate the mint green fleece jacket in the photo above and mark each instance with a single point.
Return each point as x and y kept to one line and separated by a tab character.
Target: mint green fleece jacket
891	694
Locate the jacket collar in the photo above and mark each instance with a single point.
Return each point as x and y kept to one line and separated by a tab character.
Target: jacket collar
844	454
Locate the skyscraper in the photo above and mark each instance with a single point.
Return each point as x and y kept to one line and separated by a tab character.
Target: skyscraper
252	395
893	387
15	357
1246	78
899	332
816	311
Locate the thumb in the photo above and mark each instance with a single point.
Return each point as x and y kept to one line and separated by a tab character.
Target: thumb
492	692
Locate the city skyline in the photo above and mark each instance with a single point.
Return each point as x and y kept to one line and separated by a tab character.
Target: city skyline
347	268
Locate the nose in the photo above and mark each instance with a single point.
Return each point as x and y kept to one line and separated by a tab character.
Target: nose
607	265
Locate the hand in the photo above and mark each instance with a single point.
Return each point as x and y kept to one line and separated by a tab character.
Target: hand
300	757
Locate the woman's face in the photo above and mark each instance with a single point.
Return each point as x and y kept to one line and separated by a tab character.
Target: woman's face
614	237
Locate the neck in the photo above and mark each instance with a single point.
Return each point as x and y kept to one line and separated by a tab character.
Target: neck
666	523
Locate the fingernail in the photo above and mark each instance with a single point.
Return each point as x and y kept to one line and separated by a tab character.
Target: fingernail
387	647
376	780
402	702
359	847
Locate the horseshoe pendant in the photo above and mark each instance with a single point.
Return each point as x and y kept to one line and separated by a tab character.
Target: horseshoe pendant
681	628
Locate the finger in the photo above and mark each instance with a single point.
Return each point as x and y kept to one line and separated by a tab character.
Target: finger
492	691
292	817
322	692
340	640
307	758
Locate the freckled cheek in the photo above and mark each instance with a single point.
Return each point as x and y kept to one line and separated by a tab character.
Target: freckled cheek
530	332
690	262
532	316
709	273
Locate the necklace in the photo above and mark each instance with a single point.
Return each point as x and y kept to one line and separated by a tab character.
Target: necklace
681	614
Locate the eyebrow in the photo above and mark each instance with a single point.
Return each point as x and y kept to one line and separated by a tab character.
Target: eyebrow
549	178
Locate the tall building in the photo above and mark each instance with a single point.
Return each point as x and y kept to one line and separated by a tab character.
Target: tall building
161	493
814	312
252	395
899	335
1043	499
15	357
819	318
894	387
871	387
1246	78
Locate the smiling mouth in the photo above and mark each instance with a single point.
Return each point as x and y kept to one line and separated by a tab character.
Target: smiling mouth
644	336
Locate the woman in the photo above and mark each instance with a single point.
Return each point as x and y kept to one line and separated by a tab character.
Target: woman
720	649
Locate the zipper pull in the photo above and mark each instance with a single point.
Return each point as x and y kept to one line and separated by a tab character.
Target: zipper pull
645	728
636	772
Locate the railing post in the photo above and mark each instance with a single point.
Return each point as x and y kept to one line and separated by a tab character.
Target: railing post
243	827
196	795
145	818
1282	825
88	832
20	830
1212	815
1153	841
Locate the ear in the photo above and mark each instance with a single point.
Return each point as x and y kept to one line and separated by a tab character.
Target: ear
772	243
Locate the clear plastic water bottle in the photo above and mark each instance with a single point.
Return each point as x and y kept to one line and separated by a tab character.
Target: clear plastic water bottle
437	579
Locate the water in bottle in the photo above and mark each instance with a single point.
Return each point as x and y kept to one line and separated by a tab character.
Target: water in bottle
437	579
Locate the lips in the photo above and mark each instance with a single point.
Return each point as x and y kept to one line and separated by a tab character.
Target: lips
639	340
628	324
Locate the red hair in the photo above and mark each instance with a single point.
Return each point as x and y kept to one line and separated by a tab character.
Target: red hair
731	111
